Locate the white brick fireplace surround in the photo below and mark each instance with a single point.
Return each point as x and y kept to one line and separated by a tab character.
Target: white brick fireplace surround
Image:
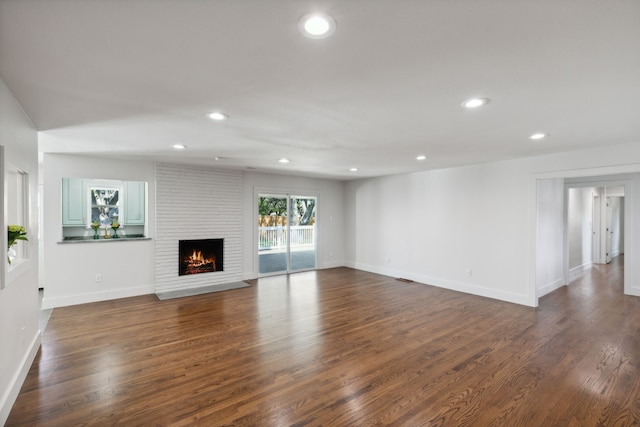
197	203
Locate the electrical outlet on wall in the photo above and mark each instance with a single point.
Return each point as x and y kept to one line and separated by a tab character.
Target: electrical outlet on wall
469	272
98	277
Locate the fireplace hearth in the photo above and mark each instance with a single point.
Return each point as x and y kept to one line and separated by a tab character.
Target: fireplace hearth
200	256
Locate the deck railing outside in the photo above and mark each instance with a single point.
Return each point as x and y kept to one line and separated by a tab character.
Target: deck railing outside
276	237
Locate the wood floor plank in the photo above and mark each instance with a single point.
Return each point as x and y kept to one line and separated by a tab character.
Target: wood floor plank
342	347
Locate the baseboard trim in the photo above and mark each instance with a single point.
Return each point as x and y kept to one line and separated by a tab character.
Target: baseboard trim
331	264
550	287
579	269
447	284
13	389
53	302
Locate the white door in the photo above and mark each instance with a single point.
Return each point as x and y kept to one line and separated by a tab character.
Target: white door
595	230
609	230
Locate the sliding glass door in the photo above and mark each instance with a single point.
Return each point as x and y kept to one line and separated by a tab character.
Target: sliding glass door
302	233
286	233
273	248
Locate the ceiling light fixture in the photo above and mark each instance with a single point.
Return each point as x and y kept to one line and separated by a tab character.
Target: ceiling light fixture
475	102
283	160
317	25
538	136
421	157
218	116
354	169
179	146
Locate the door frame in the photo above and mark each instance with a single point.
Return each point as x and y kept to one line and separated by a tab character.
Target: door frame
607	227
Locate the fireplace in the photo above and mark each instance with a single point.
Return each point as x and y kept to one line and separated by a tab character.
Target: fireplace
200	256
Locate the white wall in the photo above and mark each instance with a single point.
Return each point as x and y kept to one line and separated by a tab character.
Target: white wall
549	235
126	267
580	228
329	215
19	335
197	203
433	226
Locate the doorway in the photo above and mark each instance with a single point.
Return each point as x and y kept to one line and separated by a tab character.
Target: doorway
286	233
544	257
595	226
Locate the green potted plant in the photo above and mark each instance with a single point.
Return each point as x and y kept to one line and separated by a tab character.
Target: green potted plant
95	225
114	226
14	233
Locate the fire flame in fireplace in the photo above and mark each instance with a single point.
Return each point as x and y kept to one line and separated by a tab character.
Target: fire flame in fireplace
197	260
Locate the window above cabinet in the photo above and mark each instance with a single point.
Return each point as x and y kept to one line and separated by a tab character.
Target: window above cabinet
105	205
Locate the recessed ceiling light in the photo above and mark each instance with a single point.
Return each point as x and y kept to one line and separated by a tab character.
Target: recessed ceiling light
218	116
421	157
354	169
317	25
475	102
283	160
537	136
179	146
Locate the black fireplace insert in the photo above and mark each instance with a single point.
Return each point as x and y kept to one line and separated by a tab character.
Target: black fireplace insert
200	256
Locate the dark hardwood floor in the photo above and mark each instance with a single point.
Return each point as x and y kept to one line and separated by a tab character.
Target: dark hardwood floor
342	347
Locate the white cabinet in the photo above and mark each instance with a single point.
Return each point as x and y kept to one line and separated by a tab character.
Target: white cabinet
134	203
74	202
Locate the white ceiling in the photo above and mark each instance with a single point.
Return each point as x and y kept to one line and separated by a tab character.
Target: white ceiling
129	78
